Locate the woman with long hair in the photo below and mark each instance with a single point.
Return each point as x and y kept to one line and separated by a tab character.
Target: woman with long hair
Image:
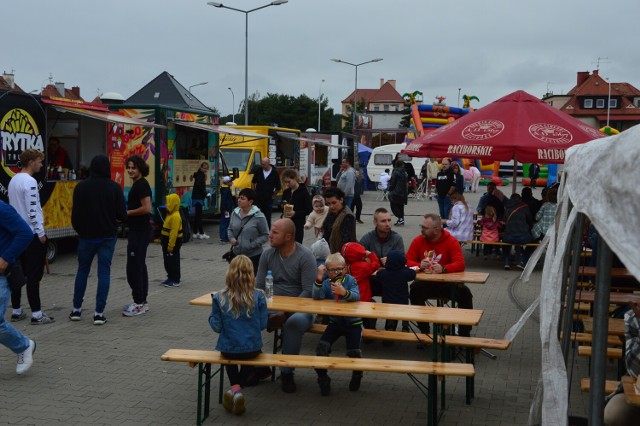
339	226
239	314
460	224
297	196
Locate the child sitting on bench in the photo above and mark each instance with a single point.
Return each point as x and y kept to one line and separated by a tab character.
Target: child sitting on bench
342	288
239	314
394	279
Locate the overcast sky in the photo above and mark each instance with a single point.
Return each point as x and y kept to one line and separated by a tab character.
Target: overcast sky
486	48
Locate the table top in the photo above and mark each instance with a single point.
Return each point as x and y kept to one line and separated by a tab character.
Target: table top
614	298
466	277
631	392
434	314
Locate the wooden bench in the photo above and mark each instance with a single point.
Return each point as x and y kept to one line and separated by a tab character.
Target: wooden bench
587	338
615	353
204	360
470	344
609	385
479	243
616	326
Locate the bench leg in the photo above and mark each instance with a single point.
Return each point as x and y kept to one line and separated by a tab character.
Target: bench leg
432	405
470	384
204	390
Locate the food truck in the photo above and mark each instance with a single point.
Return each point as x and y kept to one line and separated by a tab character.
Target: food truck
321	156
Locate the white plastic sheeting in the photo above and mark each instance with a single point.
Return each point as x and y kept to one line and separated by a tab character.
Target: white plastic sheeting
600	182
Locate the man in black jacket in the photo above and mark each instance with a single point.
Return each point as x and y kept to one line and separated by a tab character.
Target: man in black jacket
98	207
266	183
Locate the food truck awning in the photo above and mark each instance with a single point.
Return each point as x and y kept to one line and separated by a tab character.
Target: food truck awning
106	116
224	130
289	135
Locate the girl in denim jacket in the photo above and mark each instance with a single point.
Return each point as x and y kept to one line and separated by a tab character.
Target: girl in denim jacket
239	314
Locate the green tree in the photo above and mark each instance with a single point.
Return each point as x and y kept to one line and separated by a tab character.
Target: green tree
348	118
406	118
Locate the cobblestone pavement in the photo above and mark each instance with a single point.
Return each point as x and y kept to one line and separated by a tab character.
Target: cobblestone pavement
112	374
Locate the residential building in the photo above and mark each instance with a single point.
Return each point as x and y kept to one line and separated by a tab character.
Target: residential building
588	100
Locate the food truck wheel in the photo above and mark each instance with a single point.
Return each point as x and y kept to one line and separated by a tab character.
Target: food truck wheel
52	250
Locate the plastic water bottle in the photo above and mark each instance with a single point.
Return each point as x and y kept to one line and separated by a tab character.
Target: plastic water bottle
268	286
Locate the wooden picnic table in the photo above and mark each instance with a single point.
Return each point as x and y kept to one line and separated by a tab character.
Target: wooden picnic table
616	298
434	314
466	277
616	326
631	391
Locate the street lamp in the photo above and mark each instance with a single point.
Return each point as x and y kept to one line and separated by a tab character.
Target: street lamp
355	92
199	84
246	47
319	101
233	105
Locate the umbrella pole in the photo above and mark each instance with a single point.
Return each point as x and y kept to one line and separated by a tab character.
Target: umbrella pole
515	174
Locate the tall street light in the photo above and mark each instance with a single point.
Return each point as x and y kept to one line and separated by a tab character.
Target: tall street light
199	84
355	92
233	105
246	46
319	102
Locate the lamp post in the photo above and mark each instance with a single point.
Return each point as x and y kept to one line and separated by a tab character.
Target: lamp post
246	46
199	84
233	105
355	92
319	102
608	102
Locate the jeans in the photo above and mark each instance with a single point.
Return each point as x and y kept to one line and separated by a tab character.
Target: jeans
224	226
521	252
239	376
351	333
87	249
444	204
32	261
137	274
348	201
266	207
9	336
292	331
356	206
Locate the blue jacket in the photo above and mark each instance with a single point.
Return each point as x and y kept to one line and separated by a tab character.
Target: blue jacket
394	279
323	291
242	334
15	234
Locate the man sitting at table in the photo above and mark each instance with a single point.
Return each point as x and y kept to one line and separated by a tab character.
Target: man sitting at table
381	240
435	251
294	271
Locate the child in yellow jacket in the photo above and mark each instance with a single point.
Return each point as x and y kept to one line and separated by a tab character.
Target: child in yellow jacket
171	241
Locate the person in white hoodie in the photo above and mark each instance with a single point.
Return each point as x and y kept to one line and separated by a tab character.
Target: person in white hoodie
25	198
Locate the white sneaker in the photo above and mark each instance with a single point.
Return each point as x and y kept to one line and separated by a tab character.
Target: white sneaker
204	237
25	359
196	236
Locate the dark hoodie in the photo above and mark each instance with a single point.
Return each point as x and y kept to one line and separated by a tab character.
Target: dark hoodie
394	279
98	203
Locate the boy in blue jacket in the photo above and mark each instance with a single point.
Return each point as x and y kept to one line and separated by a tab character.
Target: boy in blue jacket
342	288
394	280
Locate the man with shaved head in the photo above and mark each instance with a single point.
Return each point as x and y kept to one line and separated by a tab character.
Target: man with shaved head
293	267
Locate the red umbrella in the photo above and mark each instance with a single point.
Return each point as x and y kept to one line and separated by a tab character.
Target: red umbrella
517	127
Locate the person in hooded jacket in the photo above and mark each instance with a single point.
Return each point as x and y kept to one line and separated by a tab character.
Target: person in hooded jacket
198	195
98	208
248	228
361	263
398	191
394	280
171	241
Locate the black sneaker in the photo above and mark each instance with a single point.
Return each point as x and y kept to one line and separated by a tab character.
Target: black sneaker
288	384
75	315
18	317
359	221
44	319
356	378
325	385
99	320
399	223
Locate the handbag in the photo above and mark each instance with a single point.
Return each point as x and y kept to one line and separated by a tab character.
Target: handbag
230	255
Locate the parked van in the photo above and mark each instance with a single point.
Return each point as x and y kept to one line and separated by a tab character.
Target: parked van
382	158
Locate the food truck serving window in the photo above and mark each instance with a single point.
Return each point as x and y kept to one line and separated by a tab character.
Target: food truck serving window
191	144
236	158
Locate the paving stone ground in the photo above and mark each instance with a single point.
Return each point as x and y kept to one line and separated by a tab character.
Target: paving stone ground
112	374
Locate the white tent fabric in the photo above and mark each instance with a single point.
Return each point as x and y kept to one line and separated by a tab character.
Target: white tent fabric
599	182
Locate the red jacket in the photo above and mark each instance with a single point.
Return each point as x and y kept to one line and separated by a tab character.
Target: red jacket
360	267
447	246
